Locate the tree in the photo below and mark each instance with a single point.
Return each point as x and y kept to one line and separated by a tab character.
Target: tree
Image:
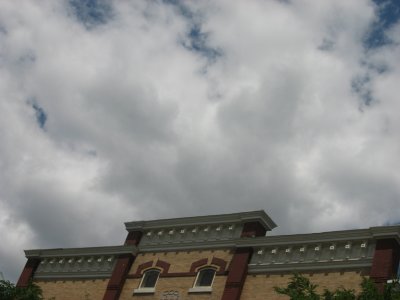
392	290
300	288
339	294
369	291
8	291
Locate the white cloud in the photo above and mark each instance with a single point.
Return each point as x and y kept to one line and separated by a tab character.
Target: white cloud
140	124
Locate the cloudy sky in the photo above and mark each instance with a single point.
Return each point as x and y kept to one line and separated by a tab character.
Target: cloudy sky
115	111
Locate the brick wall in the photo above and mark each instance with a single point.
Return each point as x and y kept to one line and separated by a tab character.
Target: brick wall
180	261
385	262
179	284
182	279
73	289
261	286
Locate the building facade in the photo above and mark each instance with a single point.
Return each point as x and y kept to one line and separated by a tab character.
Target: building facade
226	257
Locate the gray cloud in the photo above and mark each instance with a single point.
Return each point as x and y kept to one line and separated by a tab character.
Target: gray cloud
119	113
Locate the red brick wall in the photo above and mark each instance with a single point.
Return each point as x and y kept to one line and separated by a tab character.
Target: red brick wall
121	269
385	261
253	229
27	272
237	274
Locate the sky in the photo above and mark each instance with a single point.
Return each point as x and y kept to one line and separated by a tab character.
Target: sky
114	111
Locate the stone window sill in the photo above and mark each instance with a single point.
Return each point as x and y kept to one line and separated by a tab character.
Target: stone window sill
200	289
144	291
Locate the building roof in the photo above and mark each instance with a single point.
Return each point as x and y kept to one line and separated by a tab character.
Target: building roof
233	218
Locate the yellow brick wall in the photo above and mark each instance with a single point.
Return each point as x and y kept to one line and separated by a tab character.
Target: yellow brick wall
179	284
73	289
180	263
182	260
259	287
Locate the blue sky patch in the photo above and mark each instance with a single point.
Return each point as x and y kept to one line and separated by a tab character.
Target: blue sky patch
183	9
360	86
198	43
92	12
388	14
196	39
41	115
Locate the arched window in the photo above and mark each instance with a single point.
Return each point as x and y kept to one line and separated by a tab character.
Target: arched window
204	280
149	279
148	282
205	277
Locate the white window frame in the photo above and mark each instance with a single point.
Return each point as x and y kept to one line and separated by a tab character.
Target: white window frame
147	290
203	289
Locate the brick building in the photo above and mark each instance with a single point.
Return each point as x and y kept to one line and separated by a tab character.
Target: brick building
225	257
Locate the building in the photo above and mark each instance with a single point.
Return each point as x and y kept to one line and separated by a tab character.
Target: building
225	257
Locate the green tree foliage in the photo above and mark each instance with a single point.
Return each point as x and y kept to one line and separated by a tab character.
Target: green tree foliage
369	291
301	288
339	294
392	291
8	291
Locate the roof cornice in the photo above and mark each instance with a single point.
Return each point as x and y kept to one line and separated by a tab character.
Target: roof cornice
380	232
243	217
311	266
368	234
88	251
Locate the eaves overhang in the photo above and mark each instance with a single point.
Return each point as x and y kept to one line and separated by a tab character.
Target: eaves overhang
384	232
243	217
87	251
372	233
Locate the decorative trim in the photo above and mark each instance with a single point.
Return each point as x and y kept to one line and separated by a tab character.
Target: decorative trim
294	239
193	245
323	237
243	217
198	264
142	267
87	251
328	265
160	264
75	275
163	265
220	263
314	255
195	266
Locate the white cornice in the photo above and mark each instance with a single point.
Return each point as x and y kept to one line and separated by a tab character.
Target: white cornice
88	251
234	218
190	246
359	235
313	266
380	232
73	275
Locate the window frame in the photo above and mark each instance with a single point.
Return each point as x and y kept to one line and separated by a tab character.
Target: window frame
147	290
205	288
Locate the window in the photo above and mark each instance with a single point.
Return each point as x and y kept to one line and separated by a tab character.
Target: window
148	282
204	281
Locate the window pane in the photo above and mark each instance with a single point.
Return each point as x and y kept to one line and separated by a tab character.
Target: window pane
205	277
150	279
